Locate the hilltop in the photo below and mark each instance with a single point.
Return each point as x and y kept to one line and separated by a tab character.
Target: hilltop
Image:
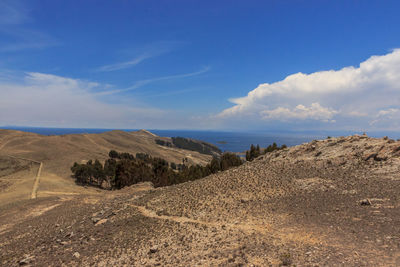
59	152
325	203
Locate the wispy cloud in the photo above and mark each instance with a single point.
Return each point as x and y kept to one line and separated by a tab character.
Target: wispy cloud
41	99
141	83
146	52
124	65
168	93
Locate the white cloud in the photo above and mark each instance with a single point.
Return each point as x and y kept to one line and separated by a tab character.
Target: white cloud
141	83
388	112
351	93
315	111
124	65
387	117
38	99
146	52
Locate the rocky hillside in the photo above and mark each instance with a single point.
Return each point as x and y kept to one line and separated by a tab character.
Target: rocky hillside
333	202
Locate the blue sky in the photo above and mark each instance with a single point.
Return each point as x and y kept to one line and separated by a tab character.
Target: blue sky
226	65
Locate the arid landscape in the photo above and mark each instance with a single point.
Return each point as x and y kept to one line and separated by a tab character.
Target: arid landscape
331	202
270	133
57	154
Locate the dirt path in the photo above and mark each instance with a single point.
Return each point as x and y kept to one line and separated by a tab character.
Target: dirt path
36	184
260	228
5	143
37	178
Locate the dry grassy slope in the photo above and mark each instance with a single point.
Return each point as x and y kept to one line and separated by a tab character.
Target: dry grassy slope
300	205
58	153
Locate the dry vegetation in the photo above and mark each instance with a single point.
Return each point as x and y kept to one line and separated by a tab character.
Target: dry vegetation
58	153
333	202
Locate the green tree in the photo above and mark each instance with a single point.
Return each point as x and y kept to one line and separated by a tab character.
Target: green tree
113	154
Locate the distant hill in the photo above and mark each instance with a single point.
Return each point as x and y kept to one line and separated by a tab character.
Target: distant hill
190	144
59	152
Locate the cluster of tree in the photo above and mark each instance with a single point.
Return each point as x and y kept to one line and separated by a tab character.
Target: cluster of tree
196	145
256	151
163	143
124	169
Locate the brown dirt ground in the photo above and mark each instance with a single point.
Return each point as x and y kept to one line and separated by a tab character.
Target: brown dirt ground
299	206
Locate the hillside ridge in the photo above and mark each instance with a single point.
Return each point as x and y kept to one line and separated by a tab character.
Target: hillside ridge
59	152
328	202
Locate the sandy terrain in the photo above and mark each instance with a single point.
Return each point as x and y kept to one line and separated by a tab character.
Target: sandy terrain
333	202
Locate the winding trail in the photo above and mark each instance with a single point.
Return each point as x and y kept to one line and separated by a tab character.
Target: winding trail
5	142
36	184
37	179
260	228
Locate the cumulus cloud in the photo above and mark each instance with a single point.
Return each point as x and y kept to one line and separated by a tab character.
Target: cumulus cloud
315	111
38	99
350	95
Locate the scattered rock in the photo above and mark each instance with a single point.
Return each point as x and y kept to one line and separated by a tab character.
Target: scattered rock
244	200
70	235
365	202
350	192
153	249
77	255
101	221
26	261
96	214
95	220
370	156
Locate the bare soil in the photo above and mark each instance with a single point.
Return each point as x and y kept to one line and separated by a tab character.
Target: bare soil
333	202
